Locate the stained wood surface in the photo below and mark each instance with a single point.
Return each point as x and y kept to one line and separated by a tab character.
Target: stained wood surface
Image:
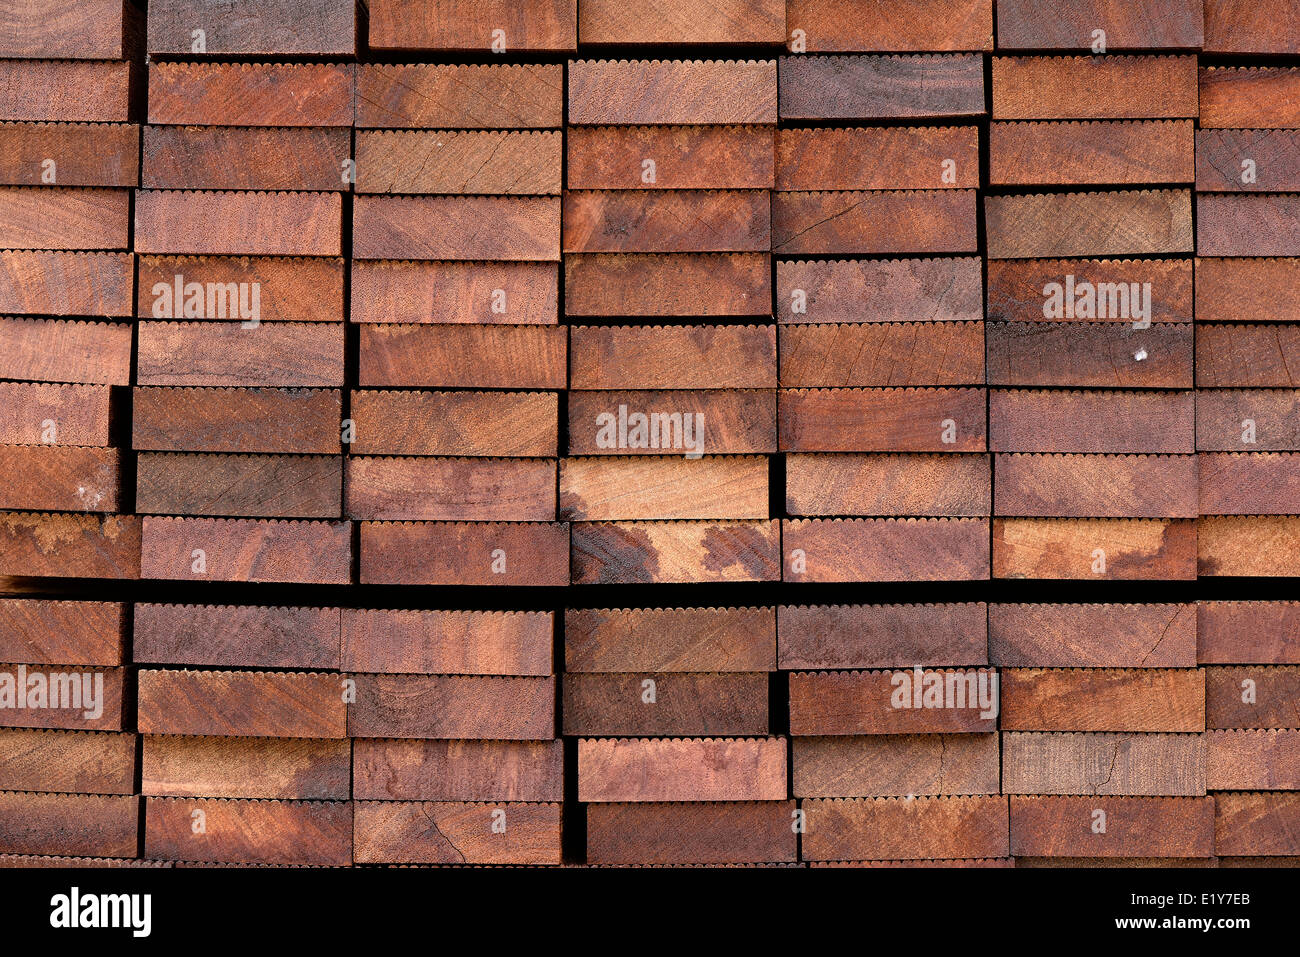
686	639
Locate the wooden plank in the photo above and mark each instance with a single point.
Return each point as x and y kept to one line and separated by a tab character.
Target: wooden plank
893	702
1246	290
1222	157
666	221
427	770
506	357
453	706
1170	765
733	421
685	639
1252	697
879	290
1124	222
1228	225
919	828
887	485
83	154
238	223
1238	26
885	549
460	96
1250	97
1091	153
1059	826
1257	483
666	552
60	478
82	30
1090	355
698	92
242	703
67	761
881	87
1245	356
44	631
283	768
246	550
881	157
1070	25
1095	486
57	217
445	833
68	824
508	293
65	283
451	489
294	289
882	354
1096	699
1069	548
233	420
254	27
691	284
882	420
455	423
266	486
920	25
235	636
895	765
681	769
1256	824
881	636
463	162
474	25
729	832
276	354
1262	632
66	91
1095	290
1098	635
456	227
1086	87
626	488
684	157
249	832
447	642
56	415
874	222
1252	760
465	553
665	704
1248	545
250	94
81	699
673	357
1057	420
227	157
35	544
673	22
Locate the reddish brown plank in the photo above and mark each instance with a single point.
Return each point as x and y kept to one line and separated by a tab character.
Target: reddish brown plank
454	423
895	765
243	703
265	486
1124	222
250	94
673	357
1250	97
1252	760
882	354
444	833
665	704
60	478
82	154
1258	483
1228	225
686	639
681	769
1171	765
1095	152
1094	548
685	551
58	415
888	485
39	544
728	832
1095	486
733	421
447	642
1251	161
230	354
1133	826
430	770
235	636
690	284
68	824
235	549
254	27
874	222
453	706
879	290
921	25
1095	699
1090	355
498	25
507	293
284	768
450	489
67	761
1248	545
1246	290
885	549
463	96
83	699
881	87
55	91
897	702
268	288
249	832
465	553
57	217
62	632
65	283
1262	632
456	227
84	30
506	357
1092	635
224	157
882	420
1256	824
1088	87
1252	697
233	420
884	157
670	487
1070	25
238	223
672	91
881	636
1094	290
681	157
1056	420
670	22
666	221
905	828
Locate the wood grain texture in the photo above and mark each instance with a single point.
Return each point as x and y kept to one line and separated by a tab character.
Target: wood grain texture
250	94
464	553
690	284
879	290
66	91
246	550
1258	483
60	478
608	488
1135	827
685	640
226	157
235	636
1091	153
1158	765
683	704
1221	153
82	699
727	832
946	486
1093	635
681	769
249	832
885	702
666	221
506	357
919	828
460	96
640	92
1241	225
1086	87
242	704
1124	222
67	761
292	289
36	544
1068	548
1271	692
450	489
1248	545
447	642
685	157
1069	24
428	770
254	27
1252	760
881	87
80	415
673	357
453	706
1250	97
277	354
233	420
238	223
1096	421
508	293
1095	486
1090	355
471	24
874	222
455	423
265	486
882	420
885	549
735	421
1095	699
1016	289
882	354
883	157
45	631
881	636
58	217
1245	356
670	22
1246	290
1259	632
921	25
57	283
77	825
895	765
84	154
84	30
447	833
459	161
667	552
1264	825
1238	26
312	769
